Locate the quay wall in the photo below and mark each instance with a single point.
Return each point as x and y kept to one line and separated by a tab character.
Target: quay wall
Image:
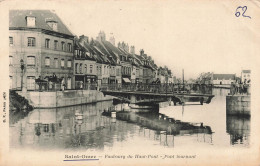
238	105
64	98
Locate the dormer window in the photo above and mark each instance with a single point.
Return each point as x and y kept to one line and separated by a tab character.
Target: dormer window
30	21
52	23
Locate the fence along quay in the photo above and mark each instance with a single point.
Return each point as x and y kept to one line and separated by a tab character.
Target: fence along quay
44	96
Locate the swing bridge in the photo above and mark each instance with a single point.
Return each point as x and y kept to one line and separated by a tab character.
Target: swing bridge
150	94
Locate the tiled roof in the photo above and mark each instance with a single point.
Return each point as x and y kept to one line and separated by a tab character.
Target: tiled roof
113	48
107	52
17	19
138	60
246	71
224	76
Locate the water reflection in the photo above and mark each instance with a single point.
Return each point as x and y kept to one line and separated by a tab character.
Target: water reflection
161	122
160	127
92	127
64	127
239	129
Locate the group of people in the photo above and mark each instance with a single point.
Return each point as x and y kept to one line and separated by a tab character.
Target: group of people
240	87
51	83
87	86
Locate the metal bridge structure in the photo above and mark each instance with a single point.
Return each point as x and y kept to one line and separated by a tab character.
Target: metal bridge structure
149	94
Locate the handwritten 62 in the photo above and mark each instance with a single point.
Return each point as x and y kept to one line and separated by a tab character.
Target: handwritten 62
239	8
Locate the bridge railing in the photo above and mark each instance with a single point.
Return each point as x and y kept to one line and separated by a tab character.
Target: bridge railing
160	88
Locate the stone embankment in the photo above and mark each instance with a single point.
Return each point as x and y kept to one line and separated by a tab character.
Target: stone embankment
64	98
238	104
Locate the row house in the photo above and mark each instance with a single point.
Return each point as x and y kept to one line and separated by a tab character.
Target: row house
115	64
96	67
125	63
149	68
111	58
94	54
85	65
118	60
40	46
140	69
114	55
129	67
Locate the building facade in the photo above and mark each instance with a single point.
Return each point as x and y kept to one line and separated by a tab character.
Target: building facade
245	75
223	79
40	46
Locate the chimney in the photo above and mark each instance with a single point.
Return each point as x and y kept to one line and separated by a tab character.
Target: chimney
101	36
141	52
123	45
112	39
119	45
84	38
127	48
132	50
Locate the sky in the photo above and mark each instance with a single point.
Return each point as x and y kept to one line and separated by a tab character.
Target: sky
194	36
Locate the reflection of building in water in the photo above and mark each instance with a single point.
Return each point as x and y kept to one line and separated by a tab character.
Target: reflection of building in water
85	127
60	128
239	129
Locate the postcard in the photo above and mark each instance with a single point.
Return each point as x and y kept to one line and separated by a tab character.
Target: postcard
129	82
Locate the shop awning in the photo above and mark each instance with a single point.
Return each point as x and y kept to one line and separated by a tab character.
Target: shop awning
126	80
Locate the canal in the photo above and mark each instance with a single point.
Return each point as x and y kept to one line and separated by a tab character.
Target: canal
92	127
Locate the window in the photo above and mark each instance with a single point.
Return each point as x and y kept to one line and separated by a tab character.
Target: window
31	42
55	26
97	70
47	61
63	46
86	68
69	47
91	69
55	44
76	68
10	60
47	43
80	68
62	63
11	41
56	62
69	63
31	61
30	21
30	83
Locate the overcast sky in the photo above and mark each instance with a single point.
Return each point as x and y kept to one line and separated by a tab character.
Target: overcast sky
199	37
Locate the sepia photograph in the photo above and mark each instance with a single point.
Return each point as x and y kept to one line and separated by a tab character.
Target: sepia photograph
129	82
